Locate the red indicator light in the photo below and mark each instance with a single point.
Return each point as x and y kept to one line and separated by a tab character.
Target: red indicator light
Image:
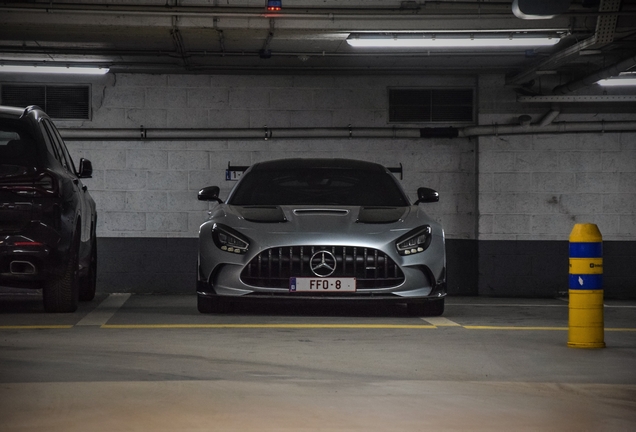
274	5
24	243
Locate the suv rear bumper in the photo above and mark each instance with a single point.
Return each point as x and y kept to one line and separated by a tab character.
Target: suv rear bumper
24	263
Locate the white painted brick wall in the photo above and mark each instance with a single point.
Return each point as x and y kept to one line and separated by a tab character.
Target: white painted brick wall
538	187
148	188
155	195
526	187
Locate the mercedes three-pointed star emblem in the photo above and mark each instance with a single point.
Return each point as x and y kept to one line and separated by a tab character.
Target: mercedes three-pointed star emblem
323	263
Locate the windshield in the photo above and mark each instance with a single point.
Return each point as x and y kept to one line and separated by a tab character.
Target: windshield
318	186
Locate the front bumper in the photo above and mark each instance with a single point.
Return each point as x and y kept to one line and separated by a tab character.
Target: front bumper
366	252
226	283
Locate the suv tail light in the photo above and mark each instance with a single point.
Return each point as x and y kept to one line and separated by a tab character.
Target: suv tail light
28	243
48	183
44	184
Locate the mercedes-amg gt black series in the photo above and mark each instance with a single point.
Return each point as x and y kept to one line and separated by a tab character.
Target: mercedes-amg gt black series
321	229
47	217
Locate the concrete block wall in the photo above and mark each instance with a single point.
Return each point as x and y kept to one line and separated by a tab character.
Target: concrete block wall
242	101
508	203
147	188
533	189
537	187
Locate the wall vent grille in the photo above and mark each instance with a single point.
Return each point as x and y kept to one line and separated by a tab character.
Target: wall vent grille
58	101
431	105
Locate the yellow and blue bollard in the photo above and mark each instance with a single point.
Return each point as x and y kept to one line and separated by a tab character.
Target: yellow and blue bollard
586	322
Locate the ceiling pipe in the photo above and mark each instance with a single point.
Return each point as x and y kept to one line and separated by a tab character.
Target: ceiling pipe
347	132
603	36
611	71
525	120
555	60
549	117
433	8
559	128
208	53
430	8
266	133
247	133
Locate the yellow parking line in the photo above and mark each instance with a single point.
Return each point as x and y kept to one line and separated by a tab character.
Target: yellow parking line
299	326
512	328
539	328
610	329
34	327
265	326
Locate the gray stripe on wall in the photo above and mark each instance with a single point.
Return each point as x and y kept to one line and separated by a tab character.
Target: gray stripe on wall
487	268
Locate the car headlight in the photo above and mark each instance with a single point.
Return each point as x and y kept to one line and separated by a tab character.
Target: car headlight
229	240
415	241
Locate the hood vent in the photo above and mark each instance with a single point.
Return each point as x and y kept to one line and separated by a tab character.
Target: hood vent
319	211
380	215
263	214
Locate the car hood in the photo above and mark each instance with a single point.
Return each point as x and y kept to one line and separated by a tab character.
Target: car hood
317	223
313	214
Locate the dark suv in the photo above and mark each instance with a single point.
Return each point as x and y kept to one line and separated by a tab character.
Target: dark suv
47	216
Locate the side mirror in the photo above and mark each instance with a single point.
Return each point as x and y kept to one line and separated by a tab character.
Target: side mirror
426	195
210	193
85	169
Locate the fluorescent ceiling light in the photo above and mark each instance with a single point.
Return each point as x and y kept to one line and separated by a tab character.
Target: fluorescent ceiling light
452	40
623	79
54	69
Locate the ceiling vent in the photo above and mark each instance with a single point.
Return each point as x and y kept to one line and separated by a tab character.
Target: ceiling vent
62	102
452	105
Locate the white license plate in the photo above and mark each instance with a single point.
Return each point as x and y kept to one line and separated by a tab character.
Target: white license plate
316	285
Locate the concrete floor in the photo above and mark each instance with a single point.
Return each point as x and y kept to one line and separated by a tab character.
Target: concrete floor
153	363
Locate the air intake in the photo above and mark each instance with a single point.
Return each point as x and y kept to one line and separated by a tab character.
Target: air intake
272	268
431	106
58	101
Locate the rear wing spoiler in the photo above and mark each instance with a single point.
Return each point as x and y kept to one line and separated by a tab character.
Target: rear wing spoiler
399	170
233	173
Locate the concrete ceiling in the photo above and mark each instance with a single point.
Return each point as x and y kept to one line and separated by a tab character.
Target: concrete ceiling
239	36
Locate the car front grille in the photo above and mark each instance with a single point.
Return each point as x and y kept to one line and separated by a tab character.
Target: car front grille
372	268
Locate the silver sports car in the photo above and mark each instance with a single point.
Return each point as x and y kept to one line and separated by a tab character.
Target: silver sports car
320	229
